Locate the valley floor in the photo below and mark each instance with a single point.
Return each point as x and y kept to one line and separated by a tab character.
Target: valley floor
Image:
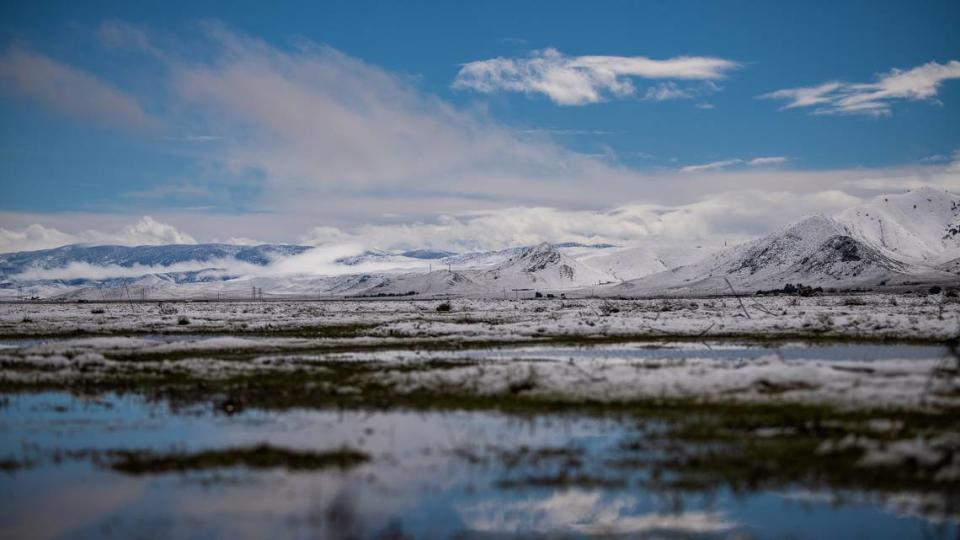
484	348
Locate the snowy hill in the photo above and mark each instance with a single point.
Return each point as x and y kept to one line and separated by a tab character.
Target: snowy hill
816	251
647	259
921	226
438	282
542	267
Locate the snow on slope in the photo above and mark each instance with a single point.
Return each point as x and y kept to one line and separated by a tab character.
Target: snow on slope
915	235
645	260
816	251
541	267
431	283
921	226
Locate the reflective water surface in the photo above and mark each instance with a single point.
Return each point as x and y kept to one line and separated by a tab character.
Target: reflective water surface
430	475
441	474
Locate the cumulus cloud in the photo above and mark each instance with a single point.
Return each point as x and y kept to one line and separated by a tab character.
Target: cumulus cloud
69	90
872	99
579	80
727	163
146	231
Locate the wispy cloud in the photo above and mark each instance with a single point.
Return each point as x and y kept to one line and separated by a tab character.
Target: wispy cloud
125	36
318	127
569	131
171	190
872	99
69	90
579	80
772	160
727	163
711	166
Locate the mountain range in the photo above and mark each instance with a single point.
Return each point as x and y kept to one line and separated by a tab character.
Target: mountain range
889	241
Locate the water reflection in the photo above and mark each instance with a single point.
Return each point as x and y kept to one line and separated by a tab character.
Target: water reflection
431	475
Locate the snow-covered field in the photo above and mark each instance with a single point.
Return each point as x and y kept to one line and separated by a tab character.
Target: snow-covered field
560	350
904	317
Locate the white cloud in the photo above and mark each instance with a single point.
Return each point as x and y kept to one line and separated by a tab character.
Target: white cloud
320	261
327	140
711	166
733	216
69	90
33	237
772	160
146	231
873	99
322	128
734	204
727	163
666	91
580	80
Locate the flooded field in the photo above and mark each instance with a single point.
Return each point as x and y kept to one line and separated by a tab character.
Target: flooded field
363	431
129	467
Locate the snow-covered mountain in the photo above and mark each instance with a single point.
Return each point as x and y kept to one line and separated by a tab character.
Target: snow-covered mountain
891	239
842	252
542	267
650	258
921	226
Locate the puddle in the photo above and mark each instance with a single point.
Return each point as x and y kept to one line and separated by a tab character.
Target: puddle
719	350
429	475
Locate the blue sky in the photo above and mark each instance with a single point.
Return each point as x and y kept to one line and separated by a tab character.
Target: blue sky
317	121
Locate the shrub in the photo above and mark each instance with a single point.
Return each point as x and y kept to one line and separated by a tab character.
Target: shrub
97	311
445	306
935	289
181	320
608	308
